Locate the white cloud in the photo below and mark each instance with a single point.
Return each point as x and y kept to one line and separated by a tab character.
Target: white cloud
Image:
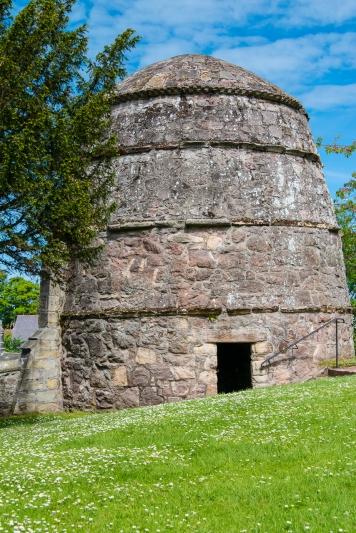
292	62
318	13
185	15
324	97
205	23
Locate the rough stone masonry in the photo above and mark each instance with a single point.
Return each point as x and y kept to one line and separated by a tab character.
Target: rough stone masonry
224	233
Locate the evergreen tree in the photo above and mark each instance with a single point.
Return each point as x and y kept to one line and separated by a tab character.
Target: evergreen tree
55	145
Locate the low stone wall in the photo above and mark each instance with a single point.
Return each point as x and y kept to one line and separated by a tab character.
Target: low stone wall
10	372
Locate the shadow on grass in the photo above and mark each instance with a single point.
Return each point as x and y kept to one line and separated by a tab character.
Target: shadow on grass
31	419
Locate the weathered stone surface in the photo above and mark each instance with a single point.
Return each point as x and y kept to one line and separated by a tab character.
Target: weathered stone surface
205	349
284	275
224	233
145	355
38	380
149	396
10	362
270	186
8	386
193	70
119	376
129	398
140	376
237	335
192	373
262	348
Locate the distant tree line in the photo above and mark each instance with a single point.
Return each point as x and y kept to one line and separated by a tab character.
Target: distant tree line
18	296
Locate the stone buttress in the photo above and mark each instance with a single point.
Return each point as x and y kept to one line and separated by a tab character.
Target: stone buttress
31	381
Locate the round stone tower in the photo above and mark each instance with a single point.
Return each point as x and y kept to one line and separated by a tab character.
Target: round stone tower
224	247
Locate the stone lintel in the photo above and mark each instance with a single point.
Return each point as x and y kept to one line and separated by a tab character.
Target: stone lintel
236	335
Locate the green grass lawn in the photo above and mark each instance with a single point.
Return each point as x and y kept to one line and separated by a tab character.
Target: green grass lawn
343	363
280	459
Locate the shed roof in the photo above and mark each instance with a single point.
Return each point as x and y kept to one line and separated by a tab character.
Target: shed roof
25	326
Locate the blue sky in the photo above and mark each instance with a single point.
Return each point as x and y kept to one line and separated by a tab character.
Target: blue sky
307	47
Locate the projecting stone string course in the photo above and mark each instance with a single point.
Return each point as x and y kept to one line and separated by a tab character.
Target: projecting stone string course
224	238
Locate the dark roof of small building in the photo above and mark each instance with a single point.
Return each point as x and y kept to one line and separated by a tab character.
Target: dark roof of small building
199	73
25	326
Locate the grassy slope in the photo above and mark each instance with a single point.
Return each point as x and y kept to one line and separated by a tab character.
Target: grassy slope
268	460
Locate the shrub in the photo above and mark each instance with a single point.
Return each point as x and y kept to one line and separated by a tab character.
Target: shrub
12	344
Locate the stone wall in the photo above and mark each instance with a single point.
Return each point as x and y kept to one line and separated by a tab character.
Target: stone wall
220	182
10	373
218	267
170	119
114	363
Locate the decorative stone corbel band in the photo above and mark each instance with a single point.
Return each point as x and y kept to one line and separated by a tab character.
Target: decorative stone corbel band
129	225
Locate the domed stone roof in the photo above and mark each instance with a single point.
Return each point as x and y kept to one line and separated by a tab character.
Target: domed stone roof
192	73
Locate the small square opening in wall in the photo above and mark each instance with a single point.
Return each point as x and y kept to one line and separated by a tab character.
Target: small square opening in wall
234	366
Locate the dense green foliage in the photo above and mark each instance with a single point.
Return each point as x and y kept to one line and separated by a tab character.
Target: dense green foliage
12	344
18	296
278	459
345	208
55	164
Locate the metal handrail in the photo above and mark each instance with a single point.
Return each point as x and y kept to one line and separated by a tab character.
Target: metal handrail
1	339
295	343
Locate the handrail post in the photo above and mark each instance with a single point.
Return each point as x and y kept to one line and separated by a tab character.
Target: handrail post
1	340
337	344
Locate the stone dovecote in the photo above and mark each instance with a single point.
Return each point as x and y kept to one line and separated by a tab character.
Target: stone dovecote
224	234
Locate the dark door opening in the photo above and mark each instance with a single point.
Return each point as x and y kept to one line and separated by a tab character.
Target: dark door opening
234	366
